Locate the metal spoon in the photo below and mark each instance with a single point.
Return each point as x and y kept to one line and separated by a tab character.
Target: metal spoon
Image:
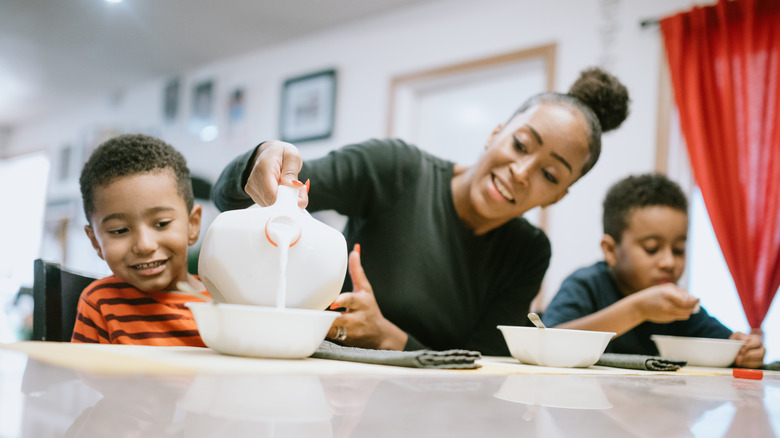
536	320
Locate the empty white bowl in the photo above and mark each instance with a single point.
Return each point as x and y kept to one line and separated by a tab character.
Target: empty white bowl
244	330
703	352
555	347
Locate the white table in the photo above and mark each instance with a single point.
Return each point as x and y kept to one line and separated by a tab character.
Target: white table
57	390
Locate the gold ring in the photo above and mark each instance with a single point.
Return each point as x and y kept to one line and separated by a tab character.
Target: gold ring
341	334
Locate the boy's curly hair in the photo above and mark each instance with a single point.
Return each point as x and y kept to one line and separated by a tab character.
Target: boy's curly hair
128	155
637	191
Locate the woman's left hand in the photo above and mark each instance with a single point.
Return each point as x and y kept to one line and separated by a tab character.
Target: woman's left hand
361	323
751	355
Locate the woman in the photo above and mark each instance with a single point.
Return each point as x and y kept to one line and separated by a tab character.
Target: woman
445	247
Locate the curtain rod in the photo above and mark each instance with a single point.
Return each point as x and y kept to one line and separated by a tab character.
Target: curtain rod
648	22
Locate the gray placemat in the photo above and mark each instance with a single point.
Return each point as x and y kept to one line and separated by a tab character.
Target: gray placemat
455	359
774	366
640	362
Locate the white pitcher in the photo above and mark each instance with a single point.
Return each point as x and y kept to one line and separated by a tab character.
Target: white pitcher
242	256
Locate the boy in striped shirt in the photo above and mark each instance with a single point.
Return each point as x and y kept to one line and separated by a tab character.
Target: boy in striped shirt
141	218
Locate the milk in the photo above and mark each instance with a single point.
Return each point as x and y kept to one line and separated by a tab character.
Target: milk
283	231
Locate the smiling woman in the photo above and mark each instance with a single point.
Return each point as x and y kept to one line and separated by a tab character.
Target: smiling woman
523	167
445	255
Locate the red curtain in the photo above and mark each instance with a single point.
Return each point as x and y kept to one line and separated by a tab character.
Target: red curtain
725	68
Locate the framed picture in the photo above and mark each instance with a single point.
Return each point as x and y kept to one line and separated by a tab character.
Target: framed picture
171	100
202	98
236	112
66	170
308	107
202	121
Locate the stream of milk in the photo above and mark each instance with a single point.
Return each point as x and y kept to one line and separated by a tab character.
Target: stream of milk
283	231
281	288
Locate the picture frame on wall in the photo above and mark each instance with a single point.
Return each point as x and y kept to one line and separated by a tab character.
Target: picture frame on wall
202	100
67	166
236	112
202	120
171	100
308	107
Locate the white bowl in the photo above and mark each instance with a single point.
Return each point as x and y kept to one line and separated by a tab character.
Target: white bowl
703	352
555	347
244	330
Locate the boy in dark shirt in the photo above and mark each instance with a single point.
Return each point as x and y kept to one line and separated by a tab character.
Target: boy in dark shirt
633	292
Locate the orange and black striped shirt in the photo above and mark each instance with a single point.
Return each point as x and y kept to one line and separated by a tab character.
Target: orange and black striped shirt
111	311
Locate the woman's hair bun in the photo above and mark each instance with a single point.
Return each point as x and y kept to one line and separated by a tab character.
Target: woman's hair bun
604	94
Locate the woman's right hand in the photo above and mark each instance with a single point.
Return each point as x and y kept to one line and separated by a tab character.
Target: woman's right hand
665	303
363	323
275	163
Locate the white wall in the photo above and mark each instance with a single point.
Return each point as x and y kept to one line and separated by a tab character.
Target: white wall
368	54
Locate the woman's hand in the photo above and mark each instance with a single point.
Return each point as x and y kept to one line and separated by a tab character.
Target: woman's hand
362	321
665	303
275	163
751	355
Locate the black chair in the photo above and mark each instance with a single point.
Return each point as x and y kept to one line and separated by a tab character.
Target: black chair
56	293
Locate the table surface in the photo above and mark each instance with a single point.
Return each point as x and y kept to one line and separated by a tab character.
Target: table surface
64	390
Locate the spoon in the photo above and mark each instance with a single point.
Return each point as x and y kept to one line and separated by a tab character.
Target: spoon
185	288
536	320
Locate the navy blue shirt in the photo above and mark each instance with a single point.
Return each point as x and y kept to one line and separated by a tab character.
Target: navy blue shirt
591	289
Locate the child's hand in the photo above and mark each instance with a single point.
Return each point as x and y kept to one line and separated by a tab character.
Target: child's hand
751	355
665	303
